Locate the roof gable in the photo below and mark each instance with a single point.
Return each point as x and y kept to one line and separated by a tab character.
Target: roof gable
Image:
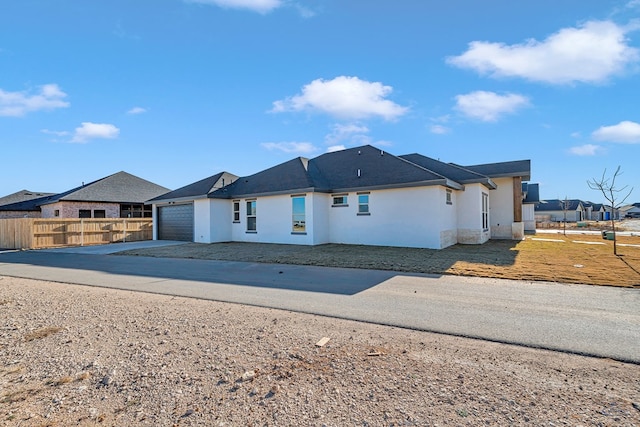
367	166
285	177
199	188
450	170
120	187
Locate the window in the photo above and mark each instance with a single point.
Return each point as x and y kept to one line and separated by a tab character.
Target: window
449	202
363	204
485	211
84	213
339	200
236	211
298	215
56	213
99	213
251	216
137	210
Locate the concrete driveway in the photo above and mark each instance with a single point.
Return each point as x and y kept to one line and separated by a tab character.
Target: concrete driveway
589	320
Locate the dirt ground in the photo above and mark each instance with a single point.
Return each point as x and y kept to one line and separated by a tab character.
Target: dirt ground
574	258
82	356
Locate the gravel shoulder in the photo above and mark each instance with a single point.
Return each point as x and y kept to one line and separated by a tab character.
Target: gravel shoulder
76	355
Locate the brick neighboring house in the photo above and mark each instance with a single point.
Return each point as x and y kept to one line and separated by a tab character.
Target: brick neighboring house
120	195
20	205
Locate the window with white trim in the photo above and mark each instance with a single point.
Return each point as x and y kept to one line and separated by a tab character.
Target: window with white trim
448	198
298	214
339	200
363	204
485	211
251	216
236	211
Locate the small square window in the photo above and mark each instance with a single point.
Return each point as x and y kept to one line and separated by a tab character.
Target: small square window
84	213
56	213
99	213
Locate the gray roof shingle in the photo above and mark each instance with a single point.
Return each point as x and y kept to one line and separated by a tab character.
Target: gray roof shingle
22	196
120	187
455	172
520	168
197	189
363	168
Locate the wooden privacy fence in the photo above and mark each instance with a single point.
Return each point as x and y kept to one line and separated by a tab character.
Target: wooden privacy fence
35	233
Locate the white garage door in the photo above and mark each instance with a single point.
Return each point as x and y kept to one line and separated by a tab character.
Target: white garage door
175	222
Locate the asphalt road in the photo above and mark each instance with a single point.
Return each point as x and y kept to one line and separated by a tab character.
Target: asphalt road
582	319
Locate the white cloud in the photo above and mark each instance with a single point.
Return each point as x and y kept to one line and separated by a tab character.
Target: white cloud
260	6
353	132
335	148
576	135
625	132
590	53
90	130
489	106
300	148
585	150
345	98
137	110
439	129
55	132
17	104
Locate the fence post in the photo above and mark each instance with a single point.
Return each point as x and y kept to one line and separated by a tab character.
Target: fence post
124	233
81	232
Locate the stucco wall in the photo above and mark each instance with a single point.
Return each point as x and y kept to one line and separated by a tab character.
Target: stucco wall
221	218
501	209
202	221
72	209
528	217
411	217
273	221
469	213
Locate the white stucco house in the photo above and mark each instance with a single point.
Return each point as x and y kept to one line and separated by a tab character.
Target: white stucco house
361	195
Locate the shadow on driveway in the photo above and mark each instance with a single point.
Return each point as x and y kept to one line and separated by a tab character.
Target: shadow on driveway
342	281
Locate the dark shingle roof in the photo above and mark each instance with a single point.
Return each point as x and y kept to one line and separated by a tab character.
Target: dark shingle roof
504	169
197	189
22	196
364	168
367	166
120	187
557	205
26	205
457	173
285	177
351	169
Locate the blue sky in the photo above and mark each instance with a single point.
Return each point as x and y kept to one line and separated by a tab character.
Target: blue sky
174	91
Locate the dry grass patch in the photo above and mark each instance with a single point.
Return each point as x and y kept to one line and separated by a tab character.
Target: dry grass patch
42	333
529	259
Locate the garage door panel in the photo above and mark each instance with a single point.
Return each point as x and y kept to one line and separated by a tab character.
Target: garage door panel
175	222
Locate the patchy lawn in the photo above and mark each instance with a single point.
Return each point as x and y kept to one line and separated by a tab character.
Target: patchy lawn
546	257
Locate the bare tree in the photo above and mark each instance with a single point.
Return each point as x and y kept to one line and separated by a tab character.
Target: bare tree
608	188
